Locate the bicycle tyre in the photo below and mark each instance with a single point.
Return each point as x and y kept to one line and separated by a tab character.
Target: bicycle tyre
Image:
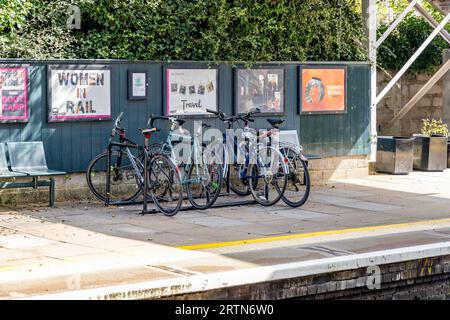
255	167
242	190
216	185
170	181
97	190
296	165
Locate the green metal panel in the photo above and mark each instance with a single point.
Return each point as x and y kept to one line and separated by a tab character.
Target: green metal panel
71	145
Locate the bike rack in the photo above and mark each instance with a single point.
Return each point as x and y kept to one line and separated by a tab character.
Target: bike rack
146	197
108	201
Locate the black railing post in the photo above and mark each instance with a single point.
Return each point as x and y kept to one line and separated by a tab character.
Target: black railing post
146	176
108	176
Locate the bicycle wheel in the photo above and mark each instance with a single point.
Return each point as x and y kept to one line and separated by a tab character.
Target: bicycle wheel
203	184
158	148
237	184
267	177
165	184
124	183
299	185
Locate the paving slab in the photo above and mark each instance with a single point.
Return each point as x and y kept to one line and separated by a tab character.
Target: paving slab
86	246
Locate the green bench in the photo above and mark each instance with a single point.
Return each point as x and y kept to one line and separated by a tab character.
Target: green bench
26	160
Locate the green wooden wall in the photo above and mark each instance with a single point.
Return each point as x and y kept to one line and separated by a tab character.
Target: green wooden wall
71	145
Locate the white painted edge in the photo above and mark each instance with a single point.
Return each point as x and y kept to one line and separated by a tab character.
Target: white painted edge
204	282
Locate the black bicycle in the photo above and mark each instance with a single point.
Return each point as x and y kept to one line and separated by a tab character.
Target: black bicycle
124	176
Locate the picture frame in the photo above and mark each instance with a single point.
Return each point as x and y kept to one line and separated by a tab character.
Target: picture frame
14	86
78	92
138	83
322	89
260	86
189	90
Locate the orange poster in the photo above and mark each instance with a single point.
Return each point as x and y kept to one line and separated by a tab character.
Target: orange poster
323	90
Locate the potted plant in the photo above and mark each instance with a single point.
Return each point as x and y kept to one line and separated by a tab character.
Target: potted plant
430	146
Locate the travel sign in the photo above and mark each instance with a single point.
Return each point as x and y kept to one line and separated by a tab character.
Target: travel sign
191	91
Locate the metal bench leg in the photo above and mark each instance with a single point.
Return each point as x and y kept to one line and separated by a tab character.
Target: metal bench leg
52	193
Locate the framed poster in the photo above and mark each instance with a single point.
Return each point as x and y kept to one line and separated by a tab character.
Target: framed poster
13	94
189	92
261	88
323	89
79	92
137	85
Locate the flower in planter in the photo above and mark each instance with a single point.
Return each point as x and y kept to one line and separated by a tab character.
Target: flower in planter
433	127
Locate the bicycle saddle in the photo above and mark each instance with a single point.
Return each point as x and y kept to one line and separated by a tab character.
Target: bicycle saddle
150	130
275	122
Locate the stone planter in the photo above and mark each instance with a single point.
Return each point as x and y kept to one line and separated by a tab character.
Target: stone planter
394	155
430	153
448	154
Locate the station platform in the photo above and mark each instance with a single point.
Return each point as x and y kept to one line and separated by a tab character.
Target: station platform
398	226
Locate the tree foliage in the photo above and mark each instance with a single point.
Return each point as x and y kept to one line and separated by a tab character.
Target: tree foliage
408	37
13	14
212	30
405	40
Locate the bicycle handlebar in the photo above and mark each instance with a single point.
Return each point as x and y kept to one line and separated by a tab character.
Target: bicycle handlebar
246	117
217	113
116	127
152	119
118	119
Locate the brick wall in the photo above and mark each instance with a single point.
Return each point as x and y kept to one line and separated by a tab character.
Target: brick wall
416	279
430	106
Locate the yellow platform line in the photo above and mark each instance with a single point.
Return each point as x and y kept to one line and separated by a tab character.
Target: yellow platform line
309	234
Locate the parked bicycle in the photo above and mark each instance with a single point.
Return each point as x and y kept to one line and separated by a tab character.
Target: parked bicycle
122	172
201	175
299	184
255	169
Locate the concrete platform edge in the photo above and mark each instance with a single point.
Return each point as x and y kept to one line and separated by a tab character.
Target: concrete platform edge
204	282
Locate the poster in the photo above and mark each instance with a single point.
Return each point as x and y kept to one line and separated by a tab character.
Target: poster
191	91
138	86
323	90
260	88
13	93
79	93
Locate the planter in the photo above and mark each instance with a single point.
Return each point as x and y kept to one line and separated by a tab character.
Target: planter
394	155
448	154
430	153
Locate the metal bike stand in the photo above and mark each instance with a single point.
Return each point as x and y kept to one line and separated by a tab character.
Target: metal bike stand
108	176
145	192
145	200
108	201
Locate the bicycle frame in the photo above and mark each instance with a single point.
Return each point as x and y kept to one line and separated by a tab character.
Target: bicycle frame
127	144
239	149
195	153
